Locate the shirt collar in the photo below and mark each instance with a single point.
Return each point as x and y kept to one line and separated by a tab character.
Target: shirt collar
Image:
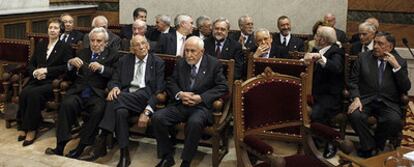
166	31
371	45
179	35
324	49
144	60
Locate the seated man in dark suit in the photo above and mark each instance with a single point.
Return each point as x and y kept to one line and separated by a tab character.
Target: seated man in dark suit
162	26
91	71
330	19
284	37
377	81
266	47
366	33
374	21
246	36
173	43
203	27
138	78
100	21
139	27
70	36
328	79
138	14
223	47
196	82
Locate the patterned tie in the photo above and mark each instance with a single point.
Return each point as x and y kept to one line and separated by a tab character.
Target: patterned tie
137	81
182	47
94	57
218	51
193	76
381	72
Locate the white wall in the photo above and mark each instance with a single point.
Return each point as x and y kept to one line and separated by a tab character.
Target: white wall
19	4
303	13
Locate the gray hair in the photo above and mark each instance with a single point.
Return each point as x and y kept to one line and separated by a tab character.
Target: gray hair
198	40
242	19
140	23
201	19
220	19
327	33
262	30
102	18
181	18
164	18
369	26
99	30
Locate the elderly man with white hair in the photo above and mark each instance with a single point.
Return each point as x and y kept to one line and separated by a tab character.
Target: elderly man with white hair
196	82
328	79
90	70
113	40
366	33
162	26
173	43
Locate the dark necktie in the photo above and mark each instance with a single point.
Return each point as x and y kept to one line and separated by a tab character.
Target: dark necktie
64	39
86	93
381	72
193	76
218	51
365	48
284	41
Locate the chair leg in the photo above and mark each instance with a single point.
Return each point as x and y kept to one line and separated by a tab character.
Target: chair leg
216	150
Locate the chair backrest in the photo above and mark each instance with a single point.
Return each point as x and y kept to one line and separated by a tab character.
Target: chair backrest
268	102
35	38
349	63
170	61
294	67
15	51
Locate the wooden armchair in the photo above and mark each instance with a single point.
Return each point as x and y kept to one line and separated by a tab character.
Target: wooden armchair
219	131
263	103
14	55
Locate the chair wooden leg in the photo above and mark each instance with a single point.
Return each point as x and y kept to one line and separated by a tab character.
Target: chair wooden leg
216	150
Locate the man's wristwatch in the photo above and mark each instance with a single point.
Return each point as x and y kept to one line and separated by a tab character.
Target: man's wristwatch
148	113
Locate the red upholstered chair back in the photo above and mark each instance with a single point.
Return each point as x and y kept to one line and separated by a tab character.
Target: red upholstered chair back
268	102
169	61
15	51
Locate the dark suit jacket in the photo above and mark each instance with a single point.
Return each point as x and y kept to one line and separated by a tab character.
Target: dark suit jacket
167	44
154	34
356	48
210	82
197	33
84	77
340	36
363	81
354	38
329	79
126	32
114	41
74	37
250	43
276	51
231	50
295	44
154	76
55	64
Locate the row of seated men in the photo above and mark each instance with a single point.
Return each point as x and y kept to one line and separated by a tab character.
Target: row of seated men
197	81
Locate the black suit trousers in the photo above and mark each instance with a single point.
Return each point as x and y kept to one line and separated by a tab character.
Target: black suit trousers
196	120
325	108
389	124
32	101
118	111
73	105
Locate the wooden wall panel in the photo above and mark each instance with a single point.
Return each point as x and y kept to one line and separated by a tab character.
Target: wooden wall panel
382	5
398	30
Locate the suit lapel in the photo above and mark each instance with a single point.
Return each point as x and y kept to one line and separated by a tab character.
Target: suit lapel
373	63
173	42
53	53
225	49
201	72
129	69
148	69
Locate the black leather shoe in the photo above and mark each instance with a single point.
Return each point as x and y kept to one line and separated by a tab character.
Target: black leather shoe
74	153
166	162
124	159
21	138
329	151
51	151
28	142
98	151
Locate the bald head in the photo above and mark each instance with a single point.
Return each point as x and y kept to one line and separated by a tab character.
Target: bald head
330	19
